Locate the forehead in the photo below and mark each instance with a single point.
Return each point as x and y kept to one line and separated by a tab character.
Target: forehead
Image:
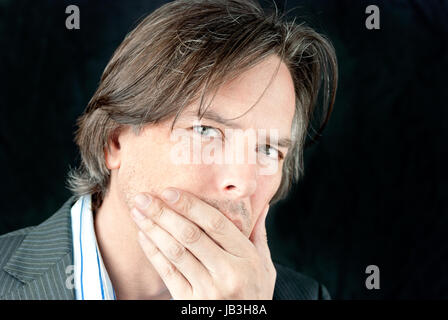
267	89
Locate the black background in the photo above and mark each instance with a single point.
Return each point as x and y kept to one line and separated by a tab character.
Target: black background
374	190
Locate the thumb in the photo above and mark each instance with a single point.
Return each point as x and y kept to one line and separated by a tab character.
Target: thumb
258	235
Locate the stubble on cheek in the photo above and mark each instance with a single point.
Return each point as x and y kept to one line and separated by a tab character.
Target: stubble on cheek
142	178
143	166
126	188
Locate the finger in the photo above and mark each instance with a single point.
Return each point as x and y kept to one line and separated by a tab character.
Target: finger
187	264
259	235
176	283
217	226
187	233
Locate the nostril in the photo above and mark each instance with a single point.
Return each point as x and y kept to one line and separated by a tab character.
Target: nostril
231	187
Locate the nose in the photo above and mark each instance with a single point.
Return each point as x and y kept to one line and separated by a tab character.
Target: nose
237	181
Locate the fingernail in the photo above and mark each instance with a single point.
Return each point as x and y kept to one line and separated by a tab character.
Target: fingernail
137	214
142	201
170	195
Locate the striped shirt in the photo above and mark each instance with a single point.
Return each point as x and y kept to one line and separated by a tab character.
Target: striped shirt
92	281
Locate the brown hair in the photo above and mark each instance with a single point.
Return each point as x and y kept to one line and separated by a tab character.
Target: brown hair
186	49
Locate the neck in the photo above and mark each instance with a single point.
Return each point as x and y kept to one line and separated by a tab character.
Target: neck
131	273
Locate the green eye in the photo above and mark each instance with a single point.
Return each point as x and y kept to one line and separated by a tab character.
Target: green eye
207	131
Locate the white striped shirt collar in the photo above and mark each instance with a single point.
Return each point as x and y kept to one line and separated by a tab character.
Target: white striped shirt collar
92	281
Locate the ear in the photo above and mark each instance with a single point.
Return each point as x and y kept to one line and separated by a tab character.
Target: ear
112	152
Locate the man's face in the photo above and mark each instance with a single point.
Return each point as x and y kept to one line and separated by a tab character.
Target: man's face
144	162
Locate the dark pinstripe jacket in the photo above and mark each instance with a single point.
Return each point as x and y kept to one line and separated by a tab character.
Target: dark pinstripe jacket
34	261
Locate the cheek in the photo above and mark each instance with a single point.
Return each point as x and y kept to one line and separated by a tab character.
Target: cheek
269	184
267	187
147	167
144	167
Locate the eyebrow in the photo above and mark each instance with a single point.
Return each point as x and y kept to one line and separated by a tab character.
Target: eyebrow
213	116
284	142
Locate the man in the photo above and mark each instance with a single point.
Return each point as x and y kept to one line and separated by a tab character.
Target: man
148	223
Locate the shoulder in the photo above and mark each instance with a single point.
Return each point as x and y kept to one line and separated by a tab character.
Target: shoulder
30	253
16	233
10	241
292	285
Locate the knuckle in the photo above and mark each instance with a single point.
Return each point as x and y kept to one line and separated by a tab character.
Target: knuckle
159	211
217	224
168	271
272	267
235	286
176	252
191	234
271	270
186	204
264	237
148	226
274	275
151	250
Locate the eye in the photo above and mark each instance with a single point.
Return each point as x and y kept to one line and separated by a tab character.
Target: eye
271	152
207	131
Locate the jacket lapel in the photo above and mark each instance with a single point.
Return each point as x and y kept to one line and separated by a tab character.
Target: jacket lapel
43	261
